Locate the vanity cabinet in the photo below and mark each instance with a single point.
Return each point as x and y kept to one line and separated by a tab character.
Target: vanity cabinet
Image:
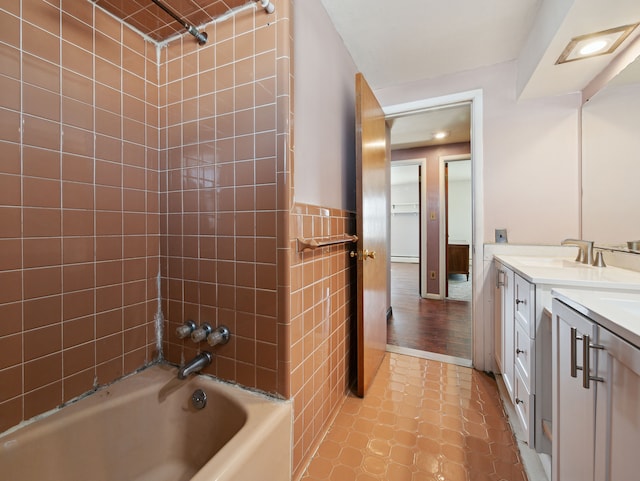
504	328
596	380
515	301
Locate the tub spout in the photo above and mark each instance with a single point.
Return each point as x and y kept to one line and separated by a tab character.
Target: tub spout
198	363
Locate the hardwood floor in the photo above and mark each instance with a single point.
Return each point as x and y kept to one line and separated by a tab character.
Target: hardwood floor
442	327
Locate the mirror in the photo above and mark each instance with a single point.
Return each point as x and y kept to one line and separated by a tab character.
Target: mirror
611	161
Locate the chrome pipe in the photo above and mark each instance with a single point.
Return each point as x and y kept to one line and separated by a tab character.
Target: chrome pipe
200	36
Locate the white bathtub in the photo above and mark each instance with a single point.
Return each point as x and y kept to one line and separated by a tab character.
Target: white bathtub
145	428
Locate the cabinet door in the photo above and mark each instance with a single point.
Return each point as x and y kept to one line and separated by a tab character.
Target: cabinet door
507	324
573	405
618	410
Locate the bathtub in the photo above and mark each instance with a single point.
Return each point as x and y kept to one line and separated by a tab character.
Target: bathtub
146	428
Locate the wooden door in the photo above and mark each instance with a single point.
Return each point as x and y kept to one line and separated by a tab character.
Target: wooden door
372	219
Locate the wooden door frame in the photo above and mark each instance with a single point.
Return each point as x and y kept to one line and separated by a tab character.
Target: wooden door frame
442	266
482	328
422	219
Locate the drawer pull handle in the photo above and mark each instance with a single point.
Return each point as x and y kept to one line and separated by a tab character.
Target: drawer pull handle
519	401
521	301
520	351
586	361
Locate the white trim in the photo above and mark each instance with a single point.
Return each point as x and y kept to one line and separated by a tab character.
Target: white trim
432	356
482	331
405	260
443	159
424	274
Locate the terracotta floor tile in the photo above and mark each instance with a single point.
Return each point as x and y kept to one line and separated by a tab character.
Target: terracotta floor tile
421	421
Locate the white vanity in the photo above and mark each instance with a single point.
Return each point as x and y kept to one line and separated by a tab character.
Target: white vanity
596	385
527	356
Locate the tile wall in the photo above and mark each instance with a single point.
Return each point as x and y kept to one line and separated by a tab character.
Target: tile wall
220	218
79	243
321	314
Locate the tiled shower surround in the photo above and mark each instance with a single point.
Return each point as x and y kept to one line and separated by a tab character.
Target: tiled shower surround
126	167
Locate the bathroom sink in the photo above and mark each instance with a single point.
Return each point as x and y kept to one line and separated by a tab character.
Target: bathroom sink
548	262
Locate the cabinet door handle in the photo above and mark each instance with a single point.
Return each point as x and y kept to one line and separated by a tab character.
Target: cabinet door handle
520	351
499	283
521	301
586	362
574	352
519	401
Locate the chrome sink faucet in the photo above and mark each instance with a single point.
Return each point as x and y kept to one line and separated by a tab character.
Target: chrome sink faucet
585	255
198	363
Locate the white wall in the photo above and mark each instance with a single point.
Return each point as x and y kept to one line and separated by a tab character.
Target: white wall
531	153
324	122
460	211
405	221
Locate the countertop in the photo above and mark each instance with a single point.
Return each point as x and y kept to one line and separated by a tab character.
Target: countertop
566	272
618	312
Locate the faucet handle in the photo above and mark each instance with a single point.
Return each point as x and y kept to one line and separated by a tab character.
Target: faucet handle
220	335
186	329
599	260
201	333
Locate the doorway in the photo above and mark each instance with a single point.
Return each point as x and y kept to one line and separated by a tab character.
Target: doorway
425	300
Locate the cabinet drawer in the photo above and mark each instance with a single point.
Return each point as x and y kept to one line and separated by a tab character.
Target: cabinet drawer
523	354
524	408
524	308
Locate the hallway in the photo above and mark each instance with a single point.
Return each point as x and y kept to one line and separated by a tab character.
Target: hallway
441	327
422	420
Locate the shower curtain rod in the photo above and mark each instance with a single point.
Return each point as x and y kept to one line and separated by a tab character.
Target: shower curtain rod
200	36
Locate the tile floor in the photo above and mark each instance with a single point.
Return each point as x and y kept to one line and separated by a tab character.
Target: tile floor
421	421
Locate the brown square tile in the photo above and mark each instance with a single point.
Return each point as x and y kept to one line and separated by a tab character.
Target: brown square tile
11	382
41	43
42	312
10	93
78	384
77	249
10	350
11	61
77	277
43	399
78	304
76	59
43	341
42	282
42	371
42	252
39	132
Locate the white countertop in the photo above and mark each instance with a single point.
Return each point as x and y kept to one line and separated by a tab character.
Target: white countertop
618	312
565	271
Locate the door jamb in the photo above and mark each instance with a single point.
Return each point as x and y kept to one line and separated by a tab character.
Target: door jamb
482	329
422	162
443	240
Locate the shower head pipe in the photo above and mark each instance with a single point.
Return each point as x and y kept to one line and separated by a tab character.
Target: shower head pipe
200	36
267	5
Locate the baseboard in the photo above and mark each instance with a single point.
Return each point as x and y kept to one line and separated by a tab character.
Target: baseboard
459	361
406	260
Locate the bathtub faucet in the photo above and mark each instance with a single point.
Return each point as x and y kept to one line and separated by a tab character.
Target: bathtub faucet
198	363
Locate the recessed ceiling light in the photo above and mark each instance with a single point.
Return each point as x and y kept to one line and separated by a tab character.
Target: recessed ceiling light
440	135
594	44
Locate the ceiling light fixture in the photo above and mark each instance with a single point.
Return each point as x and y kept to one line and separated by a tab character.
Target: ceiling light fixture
594	44
440	135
